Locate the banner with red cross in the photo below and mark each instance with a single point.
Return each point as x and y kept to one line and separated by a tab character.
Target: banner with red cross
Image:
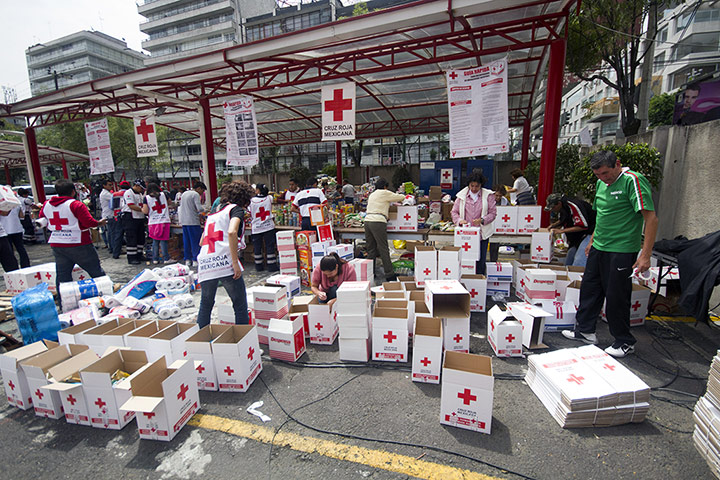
145	136
446	178
97	136
337	104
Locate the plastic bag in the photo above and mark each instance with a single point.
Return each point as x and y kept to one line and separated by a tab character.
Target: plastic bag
399	244
36	314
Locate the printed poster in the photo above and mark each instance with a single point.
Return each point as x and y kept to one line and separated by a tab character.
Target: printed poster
241	132
97	136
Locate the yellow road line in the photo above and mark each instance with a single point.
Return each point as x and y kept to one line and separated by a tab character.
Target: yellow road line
372	458
673	319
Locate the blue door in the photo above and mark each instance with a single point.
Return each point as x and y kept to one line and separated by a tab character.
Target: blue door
430	173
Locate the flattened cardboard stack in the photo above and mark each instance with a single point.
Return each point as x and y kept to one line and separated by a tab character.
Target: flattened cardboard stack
354	320
585	387
707	419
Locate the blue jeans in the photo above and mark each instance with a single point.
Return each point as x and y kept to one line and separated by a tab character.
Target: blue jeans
576	256
160	245
235	290
191	241
115	236
84	256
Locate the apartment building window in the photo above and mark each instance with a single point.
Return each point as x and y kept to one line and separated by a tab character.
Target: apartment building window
707	15
662	35
659	62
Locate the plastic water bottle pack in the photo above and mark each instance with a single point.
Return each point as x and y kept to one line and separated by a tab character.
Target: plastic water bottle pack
36	315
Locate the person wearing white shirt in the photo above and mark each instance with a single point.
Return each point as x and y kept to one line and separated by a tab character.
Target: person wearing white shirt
134	222
13	227
7	259
521	188
189	217
106	211
263	229
307	198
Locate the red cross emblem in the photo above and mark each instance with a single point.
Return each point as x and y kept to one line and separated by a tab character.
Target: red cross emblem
426	271
446	175
522	283
149	415
39	394
38	276
446	287
453	75
319	326
457	338
57	221
229	371
251	352
407	217
557	294
158	207
506	218
211	237
200	369
467	397
610	367
338	105
183	392
81	277
446	271
636	305
71	400
529	218
48	275
510	338
573	378
11	385
262	214
539	249
473	293
99	402
425	361
389	336
466	247
145	130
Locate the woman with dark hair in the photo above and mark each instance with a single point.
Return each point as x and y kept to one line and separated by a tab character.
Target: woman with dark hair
475	207
329	275
521	188
157	208
376	225
218	258
263	229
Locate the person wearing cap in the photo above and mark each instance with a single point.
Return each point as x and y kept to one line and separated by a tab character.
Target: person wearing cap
263	229
475	207
133	220
189	217
576	219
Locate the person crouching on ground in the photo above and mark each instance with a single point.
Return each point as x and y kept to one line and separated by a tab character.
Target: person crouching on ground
475	207
218	258
329	275
263	229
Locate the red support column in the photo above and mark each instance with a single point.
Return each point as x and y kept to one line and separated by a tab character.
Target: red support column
551	126
338	160
207	126
8	177
525	145
65	170
34	160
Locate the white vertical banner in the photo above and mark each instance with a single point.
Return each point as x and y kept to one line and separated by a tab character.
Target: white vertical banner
338	111
145	136
446	178
241	132
478	109
97	136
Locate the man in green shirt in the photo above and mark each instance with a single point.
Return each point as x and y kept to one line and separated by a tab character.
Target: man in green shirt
624	204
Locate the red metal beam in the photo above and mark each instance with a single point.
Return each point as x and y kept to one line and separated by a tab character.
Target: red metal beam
35	162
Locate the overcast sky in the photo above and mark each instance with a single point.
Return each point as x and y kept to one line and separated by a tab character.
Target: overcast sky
29	22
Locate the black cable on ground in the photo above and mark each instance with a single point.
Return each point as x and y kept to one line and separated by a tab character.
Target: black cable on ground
390	442
674	430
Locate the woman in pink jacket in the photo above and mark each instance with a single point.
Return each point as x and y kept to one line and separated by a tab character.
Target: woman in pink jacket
475	207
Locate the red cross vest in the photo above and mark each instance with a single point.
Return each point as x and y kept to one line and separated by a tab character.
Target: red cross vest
62	223
158	210
261	213
214	260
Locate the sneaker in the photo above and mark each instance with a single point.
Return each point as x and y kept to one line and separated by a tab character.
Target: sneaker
188	263
620	350
155	262
589	338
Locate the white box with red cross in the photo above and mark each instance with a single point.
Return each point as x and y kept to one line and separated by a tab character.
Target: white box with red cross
456	334
390	335
506	220
540	284
199	348
528	219
322	321
103	397
170	342
541	246
499	271
476	285
425	264
286	339
504	333
447	298
639	304
562	315
468	239
14	379
163	398
285	240
449	263
427	349
407	218
236	353
466	399
532	319
290	282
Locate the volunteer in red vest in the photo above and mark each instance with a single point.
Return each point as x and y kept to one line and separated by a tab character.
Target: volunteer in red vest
218	258
475	207
329	275
69	221
133	220
290	193
157	209
263	229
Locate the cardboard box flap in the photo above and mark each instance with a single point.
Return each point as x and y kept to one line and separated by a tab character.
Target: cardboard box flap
61	386
392	286
300	303
141	404
428	326
391	303
575	284
281	325
467	362
128	327
402	278
74	364
148	383
421	308
417	296
425	248
9	360
208	333
79	328
394	294
174	330
398	313
233	334
472	277
45	360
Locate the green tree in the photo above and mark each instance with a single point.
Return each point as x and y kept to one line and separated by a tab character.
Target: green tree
331	170
360	9
400	176
661	109
301	174
355	148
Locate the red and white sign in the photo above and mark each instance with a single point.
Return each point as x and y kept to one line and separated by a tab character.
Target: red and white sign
97	136
504	333
468	239
241	132
466	399
338	111
528	218
146	136
236	353
427	350
541	247
506	220
446	178
286	338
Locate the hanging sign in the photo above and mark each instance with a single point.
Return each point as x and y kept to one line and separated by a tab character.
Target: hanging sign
446	178
145	136
241	132
97	136
338	111
478	108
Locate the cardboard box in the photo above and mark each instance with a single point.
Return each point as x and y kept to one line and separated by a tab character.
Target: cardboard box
476	285
447	298
390	335
518	268
138	339
415	309
427	349
466	399
290	282
318	215
540	284
286	339
320	249
575	273
494	288
506	220
116	337
572	293
103	397
354	292
468	266
469	240
561	284
364	269
73	334
499	271
288	257
425	264
344	251
270	302
322	322
285	240
17	390
236	353
305	238
435	193
449	263
532	319
299	308
456	334
562	315
93	337
199	348
407	218
446	211
541	246
355	325
170	342
164	398
504	333
528	218
354	349
639	302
